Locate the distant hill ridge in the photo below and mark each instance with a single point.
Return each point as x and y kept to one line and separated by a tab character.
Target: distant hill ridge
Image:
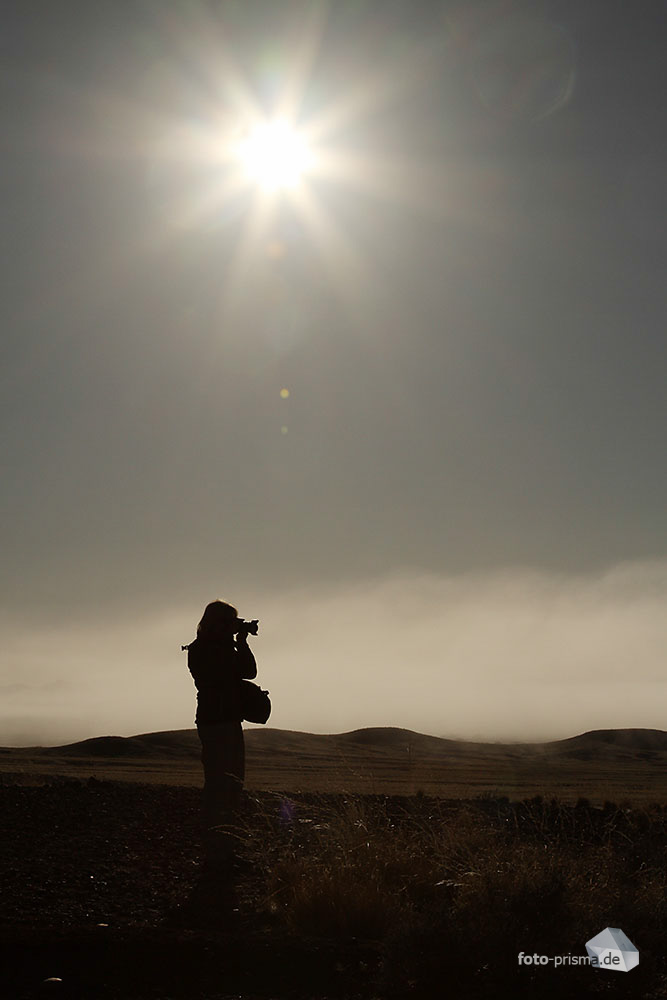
630	739
186	741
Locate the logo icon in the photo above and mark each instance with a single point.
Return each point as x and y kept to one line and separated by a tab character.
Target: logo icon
612	949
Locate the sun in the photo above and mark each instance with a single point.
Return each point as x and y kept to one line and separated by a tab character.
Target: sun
275	155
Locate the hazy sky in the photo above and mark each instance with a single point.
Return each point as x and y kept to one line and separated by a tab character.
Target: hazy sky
455	521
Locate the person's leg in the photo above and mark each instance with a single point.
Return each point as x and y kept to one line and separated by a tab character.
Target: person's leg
223	756
213	760
234	765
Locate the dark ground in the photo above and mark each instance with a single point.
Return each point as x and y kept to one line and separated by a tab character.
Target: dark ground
107	887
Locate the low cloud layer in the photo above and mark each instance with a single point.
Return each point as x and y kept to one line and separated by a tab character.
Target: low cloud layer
512	655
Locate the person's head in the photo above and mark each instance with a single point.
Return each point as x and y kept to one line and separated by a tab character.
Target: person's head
217	621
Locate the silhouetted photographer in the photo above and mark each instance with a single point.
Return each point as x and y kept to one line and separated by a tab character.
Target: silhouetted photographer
219	659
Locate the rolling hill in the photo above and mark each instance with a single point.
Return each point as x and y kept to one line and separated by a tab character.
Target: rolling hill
601	764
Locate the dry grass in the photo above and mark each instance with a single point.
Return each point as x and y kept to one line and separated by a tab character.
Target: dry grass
373	896
456	890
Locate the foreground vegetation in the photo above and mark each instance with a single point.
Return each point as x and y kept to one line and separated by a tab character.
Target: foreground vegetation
453	891
112	887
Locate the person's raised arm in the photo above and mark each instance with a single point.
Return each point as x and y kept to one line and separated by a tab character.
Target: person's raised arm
245	657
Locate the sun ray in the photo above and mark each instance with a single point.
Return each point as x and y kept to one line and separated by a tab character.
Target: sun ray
348	270
375	92
231	110
303	59
257	225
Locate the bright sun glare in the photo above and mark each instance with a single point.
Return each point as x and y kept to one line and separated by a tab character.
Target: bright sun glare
275	155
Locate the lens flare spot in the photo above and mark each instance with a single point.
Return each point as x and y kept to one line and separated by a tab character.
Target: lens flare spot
275	250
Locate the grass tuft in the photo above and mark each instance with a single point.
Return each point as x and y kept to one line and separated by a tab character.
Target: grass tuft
457	889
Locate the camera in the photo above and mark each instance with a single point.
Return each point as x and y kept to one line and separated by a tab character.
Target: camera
239	627
249	628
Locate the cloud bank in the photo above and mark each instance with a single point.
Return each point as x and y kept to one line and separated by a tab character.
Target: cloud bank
509	655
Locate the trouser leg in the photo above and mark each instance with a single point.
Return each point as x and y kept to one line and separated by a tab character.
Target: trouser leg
223	758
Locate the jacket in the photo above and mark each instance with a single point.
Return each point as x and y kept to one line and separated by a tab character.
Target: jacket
217	667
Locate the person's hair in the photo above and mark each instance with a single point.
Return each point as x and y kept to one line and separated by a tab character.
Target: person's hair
216	620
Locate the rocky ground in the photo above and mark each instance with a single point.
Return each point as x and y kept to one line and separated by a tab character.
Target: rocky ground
110	891
107	891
